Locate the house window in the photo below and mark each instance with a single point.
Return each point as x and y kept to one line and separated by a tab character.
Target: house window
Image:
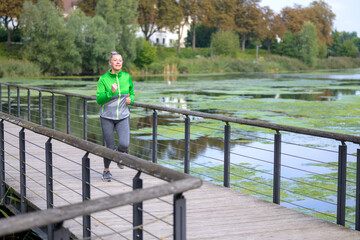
157	41
163	41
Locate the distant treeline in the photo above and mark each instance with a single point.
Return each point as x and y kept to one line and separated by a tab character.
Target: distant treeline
80	42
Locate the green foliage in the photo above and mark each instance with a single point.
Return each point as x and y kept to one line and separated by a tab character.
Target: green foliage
338	63
12	51
275	64
47	41
345	44
349	49
3	34
308	43
94	40
357	42
16	37
289	45
121	15
322	50
202	36
225	43
145	55
18	68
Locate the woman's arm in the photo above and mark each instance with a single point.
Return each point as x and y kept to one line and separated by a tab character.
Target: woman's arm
131	91
102	94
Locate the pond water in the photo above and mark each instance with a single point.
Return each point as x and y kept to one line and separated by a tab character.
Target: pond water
327	101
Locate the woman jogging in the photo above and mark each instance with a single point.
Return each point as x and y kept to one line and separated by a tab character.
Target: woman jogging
115	91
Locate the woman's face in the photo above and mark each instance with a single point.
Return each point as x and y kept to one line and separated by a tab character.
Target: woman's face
116	63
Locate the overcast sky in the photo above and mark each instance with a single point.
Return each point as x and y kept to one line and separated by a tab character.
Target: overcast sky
347	11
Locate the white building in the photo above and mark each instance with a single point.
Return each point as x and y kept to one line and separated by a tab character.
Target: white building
166	38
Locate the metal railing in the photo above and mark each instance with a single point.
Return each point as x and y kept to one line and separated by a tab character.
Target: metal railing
22	167
234	169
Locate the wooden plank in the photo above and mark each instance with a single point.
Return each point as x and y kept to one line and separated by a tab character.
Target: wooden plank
213	212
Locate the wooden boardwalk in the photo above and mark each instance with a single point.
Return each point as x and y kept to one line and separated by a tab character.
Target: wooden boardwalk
213	212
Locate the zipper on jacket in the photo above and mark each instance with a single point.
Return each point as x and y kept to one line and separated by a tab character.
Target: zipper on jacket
117	109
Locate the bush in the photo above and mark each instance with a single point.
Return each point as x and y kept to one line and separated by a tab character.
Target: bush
225	43
145	54
338	63
277	64
308	42
18	68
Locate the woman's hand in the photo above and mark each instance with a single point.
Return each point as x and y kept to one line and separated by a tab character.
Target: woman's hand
128	99
114	87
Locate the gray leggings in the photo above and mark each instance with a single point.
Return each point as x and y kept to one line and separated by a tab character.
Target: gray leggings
122	128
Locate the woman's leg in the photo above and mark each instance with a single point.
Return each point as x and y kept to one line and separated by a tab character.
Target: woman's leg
107	126
123	132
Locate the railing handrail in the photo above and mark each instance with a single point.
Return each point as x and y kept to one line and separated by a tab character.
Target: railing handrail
277	127
128	160
177	183
27	221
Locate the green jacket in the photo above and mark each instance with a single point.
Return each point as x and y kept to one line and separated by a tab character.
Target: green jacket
113	105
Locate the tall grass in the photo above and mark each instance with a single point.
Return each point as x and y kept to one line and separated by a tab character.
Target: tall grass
18	68
338	63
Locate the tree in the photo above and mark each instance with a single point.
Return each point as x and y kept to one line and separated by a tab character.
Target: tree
146	54
349	49
225	43
191	11
87	6
321	15
94	39
10	12
308	43
46	39
248	20
270	27
335	47
148	17
357	42
219	14
121	15
203	34
289	45
293	18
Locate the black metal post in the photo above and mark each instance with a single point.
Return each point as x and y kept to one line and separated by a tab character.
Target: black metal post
137	210
227	136
53	110
29	105
68	114
357	215
2	161
18	101
277	168
86	193
85	119
22	170
49	184
40	108
187	146
154	137
1	97
9	100
179	217
341	194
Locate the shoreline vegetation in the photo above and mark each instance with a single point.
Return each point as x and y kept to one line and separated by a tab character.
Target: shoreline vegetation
169	62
